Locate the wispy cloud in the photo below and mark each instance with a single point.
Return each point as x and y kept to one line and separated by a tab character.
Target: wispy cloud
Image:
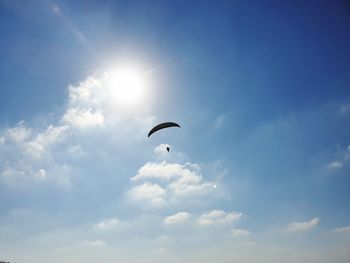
337	164
219	217
178	218
303	226
69	24
345	230
109	224
237	232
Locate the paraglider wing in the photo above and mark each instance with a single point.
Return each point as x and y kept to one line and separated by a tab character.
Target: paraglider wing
162	126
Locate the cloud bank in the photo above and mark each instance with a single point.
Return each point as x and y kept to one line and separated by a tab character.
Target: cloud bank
158	183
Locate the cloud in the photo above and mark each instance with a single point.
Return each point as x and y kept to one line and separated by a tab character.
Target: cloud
18	133
109	224
32	154
160	150
237	232
83	119
303	226
41	143
92	105
153	194
337	164
345	230
24	175
174	182
178	218
161	154
76	151
86	104
41	174
165	171
218	217
11	174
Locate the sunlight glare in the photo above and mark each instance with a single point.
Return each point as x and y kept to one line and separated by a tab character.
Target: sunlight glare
126	86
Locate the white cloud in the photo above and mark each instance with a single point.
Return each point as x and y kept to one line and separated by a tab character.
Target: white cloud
88	92
91	105
191	185
108	224
83	118
178	218
335	165
22	173
41	174
237	232
40	145
18	133
152	194
161	150
35	149
178	181
345	230
11	175
302	226
163	171
218	217
28	156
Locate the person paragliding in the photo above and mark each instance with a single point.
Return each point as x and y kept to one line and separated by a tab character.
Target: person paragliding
163	126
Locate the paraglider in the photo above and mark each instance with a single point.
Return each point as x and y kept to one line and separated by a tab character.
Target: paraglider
163	126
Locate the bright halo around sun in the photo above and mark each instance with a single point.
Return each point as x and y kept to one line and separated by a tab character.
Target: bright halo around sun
126	86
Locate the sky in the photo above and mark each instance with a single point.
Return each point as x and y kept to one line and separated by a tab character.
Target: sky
258	171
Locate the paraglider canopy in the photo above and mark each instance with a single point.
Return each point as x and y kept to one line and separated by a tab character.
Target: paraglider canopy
162	126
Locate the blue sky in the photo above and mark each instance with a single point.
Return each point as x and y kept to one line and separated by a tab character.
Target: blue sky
258	172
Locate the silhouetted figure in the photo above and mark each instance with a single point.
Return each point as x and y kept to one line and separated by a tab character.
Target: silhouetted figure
168	148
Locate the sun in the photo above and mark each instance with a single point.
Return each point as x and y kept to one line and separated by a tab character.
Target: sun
125	86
